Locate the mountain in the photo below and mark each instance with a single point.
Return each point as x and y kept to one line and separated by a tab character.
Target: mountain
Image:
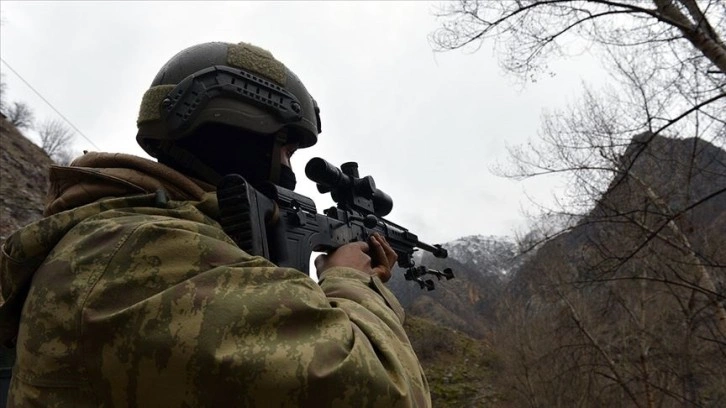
625	308
487	254
481	265
672	192
630	300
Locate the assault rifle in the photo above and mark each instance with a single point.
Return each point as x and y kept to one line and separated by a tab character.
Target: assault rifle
285	227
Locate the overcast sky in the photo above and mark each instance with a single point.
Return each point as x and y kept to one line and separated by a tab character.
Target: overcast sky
428	126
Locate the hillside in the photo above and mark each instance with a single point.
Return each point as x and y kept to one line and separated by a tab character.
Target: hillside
627	308
23	179
23	184
460	370
482	266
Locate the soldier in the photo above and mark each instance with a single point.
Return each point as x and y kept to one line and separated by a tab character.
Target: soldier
128	292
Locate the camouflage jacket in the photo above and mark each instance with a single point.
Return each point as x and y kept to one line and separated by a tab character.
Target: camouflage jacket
120	297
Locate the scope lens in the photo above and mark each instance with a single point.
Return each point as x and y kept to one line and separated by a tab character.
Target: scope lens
322	172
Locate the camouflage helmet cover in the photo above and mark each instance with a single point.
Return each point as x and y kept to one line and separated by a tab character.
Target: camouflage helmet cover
240	85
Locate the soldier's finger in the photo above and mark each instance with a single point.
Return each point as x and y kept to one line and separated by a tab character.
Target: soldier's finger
391	255
378	253
382	268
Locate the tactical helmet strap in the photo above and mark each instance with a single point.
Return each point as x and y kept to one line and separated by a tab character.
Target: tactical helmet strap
280	140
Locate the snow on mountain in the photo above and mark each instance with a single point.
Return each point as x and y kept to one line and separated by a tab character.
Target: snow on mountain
490	254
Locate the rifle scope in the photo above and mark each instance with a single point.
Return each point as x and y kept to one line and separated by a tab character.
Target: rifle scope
347	188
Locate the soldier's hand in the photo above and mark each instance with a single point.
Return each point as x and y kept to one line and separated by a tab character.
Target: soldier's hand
375	257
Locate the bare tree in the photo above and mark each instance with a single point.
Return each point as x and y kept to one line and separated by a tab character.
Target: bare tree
633	313
666	56
20	115
56	139
639	276
599	324
668	63
65	157
669	60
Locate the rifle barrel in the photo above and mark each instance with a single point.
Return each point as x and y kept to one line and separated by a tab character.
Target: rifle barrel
437	250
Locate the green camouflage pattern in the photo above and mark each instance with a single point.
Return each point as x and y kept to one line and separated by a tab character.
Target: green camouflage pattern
135	301
258	60
151	103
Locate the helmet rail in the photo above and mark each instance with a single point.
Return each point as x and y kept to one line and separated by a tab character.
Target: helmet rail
190	96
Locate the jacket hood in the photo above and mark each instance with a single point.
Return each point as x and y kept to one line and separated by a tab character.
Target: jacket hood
94	176
93	183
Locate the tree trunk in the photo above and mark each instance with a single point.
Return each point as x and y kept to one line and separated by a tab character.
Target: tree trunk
712	48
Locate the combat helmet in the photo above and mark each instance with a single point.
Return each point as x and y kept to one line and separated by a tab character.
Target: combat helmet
237	85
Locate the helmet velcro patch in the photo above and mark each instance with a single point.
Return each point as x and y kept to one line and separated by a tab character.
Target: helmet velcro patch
150	103
257	60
